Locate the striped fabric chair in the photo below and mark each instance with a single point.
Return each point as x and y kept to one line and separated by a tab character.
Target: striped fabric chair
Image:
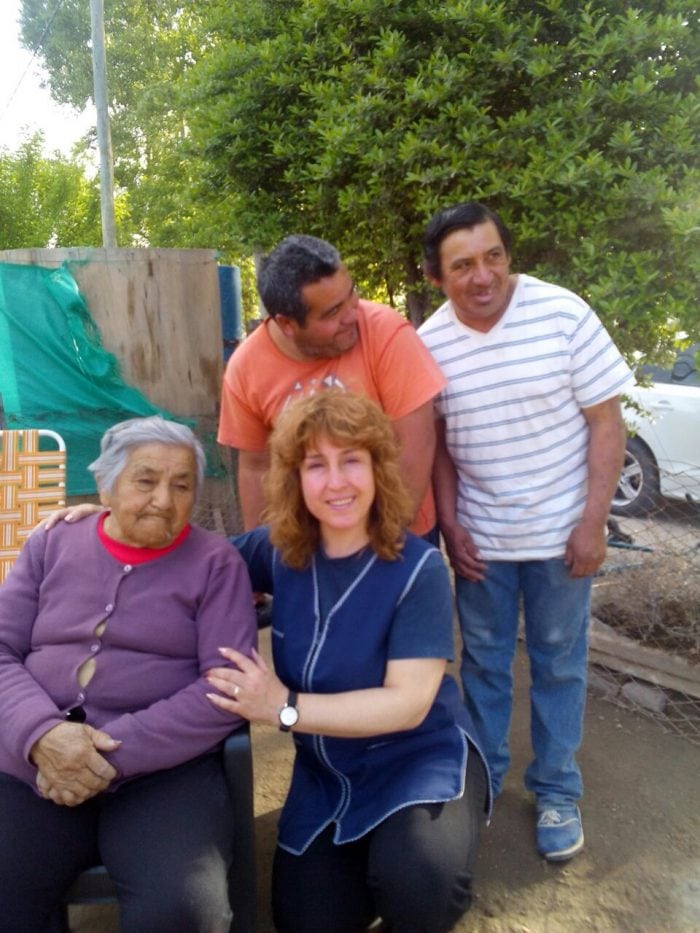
32	485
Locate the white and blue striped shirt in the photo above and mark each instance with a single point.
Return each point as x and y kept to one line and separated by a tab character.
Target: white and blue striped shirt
512	410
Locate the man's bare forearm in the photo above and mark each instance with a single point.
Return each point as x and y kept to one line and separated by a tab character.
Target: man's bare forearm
444	481
251	470
416	435
606	454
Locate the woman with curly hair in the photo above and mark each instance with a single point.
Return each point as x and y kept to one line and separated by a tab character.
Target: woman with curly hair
389	790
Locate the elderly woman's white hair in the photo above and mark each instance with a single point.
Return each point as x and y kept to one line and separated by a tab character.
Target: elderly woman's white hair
119	440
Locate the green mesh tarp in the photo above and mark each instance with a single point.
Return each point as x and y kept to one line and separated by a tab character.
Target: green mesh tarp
54	371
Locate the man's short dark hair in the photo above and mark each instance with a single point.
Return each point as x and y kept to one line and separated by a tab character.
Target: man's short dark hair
458	217
297	261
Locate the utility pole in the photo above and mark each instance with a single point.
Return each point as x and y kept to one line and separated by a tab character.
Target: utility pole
104	137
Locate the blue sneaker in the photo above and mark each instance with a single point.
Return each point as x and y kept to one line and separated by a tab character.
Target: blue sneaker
559	832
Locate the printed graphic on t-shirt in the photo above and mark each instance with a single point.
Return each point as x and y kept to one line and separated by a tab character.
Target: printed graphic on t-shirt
303	388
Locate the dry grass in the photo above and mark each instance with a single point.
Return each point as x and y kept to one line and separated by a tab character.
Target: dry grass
657	604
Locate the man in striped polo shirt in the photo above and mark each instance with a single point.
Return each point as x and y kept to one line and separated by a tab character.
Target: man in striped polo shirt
530	448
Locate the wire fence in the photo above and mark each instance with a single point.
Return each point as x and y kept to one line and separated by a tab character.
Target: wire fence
645	637
218	508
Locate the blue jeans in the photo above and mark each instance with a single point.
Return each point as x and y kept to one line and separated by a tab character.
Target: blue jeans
557	611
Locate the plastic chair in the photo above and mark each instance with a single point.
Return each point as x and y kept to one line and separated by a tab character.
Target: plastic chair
32	485
94	886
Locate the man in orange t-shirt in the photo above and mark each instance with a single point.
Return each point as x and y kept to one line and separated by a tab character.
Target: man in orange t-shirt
319	334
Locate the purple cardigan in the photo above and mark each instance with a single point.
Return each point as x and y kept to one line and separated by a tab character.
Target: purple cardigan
164	622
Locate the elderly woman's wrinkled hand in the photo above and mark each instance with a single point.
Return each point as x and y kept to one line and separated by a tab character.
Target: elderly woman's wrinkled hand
250	688
70	766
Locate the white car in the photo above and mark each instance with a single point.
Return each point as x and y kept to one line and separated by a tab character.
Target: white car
663	448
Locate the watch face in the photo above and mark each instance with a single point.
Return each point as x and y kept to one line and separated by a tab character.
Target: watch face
288	715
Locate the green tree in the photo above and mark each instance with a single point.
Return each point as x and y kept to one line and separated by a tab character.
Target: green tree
357	120
150	45
236	123
46	201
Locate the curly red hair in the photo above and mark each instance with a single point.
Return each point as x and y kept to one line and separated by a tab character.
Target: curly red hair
347	420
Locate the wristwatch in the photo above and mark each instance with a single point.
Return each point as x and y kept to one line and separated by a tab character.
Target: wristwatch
289	714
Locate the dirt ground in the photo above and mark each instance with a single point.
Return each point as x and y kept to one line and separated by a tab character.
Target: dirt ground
639	871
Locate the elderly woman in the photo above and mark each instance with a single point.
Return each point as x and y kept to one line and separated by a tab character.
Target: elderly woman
108	741
388	791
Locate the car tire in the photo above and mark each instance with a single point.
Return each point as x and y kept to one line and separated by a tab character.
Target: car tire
637	492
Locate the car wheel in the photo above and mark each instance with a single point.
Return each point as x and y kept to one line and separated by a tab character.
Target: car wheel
637	492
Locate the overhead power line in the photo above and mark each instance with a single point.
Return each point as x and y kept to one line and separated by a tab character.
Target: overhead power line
35	51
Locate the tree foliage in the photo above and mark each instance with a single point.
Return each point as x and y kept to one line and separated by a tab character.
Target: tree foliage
237	123
578	122
46	201
149	45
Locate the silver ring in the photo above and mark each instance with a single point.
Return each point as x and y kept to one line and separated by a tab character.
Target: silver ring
236	690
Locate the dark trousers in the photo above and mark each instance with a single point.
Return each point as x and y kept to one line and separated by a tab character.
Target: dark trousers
165	840
414	870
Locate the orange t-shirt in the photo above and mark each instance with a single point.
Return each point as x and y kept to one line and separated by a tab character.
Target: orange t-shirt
388	363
